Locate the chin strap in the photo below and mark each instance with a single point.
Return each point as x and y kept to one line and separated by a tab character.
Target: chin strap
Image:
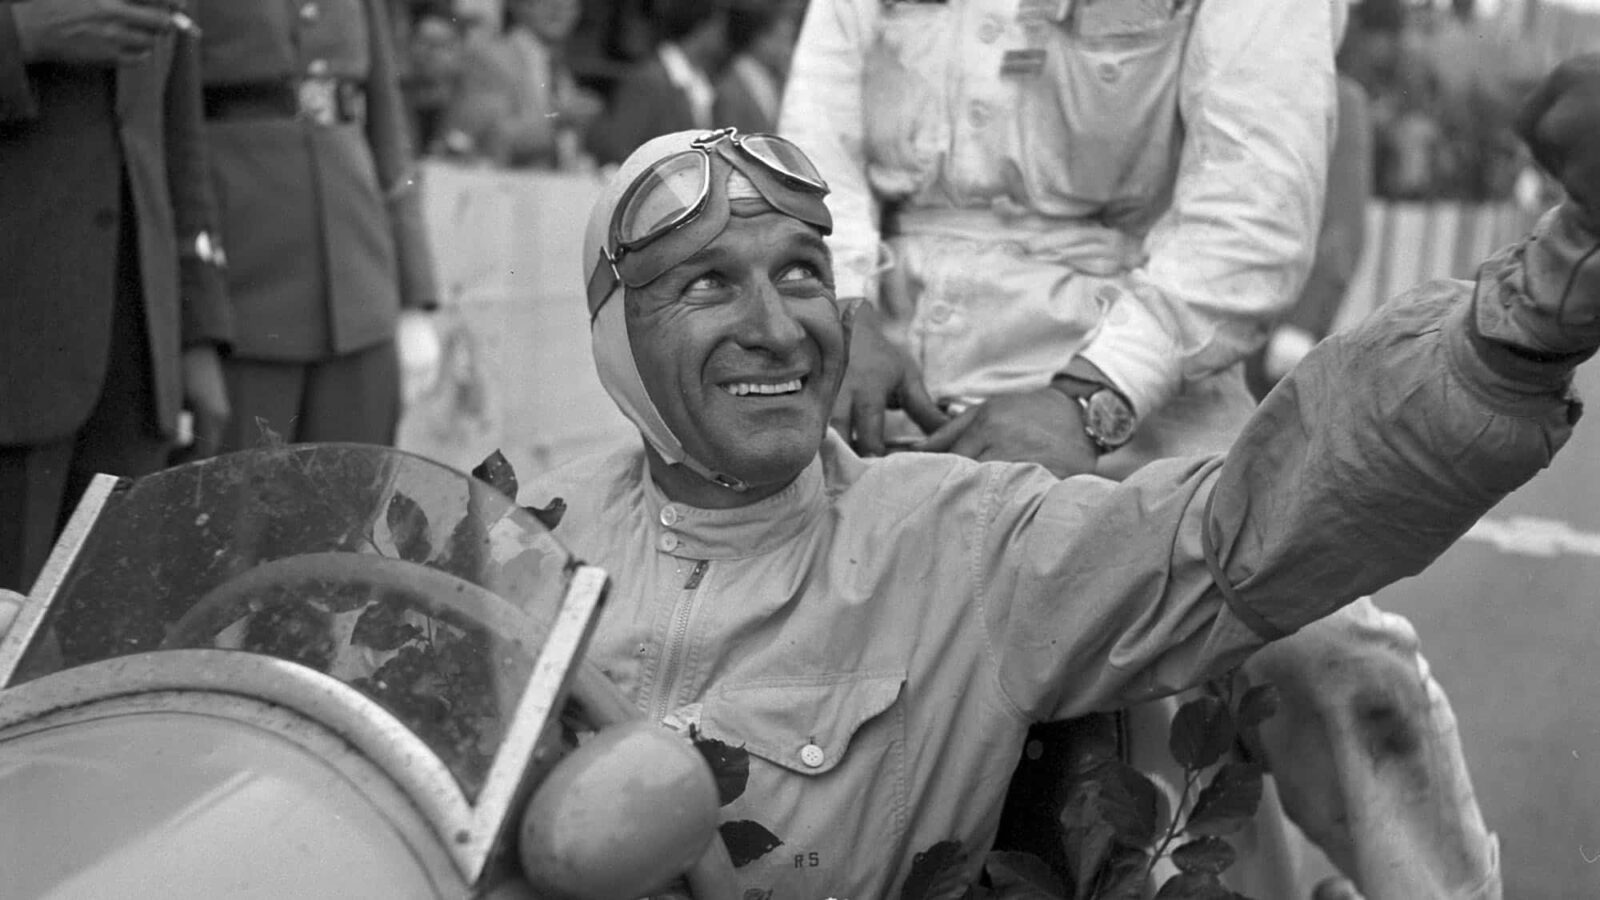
716	478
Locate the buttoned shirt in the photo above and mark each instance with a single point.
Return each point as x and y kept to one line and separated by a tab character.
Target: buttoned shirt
1136	181
878	635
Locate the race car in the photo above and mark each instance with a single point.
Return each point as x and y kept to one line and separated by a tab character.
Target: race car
310	671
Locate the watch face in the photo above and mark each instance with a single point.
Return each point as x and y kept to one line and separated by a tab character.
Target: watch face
1109	418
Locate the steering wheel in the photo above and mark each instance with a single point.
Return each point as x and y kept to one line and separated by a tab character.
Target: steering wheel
437	593
445	596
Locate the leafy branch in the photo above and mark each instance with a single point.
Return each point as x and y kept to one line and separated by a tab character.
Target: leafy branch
1113	829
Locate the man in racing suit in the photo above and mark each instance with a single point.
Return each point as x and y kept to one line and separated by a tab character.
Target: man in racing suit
874	637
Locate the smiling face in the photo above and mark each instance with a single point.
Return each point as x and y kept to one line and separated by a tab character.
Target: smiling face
741	348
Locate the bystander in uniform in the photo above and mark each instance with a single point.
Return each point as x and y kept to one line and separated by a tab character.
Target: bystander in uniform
321	208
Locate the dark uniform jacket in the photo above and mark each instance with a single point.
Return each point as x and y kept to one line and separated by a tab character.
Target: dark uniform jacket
322	222
67	135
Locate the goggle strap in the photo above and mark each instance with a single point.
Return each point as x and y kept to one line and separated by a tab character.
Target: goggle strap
602	281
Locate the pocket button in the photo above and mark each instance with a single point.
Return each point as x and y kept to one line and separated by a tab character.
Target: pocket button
991	29
812	755
1108	72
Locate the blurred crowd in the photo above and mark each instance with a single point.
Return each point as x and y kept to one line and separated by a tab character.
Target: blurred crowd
1442	83
559	84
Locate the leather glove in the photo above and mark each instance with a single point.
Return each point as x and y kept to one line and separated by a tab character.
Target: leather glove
1559	121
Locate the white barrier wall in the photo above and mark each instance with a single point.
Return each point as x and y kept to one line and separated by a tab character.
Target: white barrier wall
518	373
1411	243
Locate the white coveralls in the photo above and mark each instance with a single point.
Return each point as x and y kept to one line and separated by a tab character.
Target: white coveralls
1139	184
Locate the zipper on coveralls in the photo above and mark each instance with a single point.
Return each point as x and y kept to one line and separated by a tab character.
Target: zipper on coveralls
677	637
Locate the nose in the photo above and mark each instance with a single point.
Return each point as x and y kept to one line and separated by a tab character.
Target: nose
768	323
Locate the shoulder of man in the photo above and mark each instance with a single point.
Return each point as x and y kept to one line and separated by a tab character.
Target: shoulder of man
899	484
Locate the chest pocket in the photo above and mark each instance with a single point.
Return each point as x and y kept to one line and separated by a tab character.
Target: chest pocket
827	768
1109	96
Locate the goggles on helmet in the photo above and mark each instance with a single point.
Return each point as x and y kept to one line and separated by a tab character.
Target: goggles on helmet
680	204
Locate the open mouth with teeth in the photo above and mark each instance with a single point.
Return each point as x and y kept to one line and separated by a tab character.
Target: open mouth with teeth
763	388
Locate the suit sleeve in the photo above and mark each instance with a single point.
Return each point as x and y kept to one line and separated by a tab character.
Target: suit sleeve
207	315
1256	99
822	113
389	136
17	101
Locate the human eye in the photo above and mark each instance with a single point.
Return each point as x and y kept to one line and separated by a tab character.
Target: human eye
805	274
705	287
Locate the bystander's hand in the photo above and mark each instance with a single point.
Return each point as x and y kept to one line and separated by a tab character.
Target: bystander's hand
1558	123
92	32
1043	426
205	394
880	377
421	353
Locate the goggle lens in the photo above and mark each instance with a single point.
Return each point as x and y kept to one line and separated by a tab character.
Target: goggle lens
672	193
667	195
784	158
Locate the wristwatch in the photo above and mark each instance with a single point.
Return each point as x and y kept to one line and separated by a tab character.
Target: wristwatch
1108	417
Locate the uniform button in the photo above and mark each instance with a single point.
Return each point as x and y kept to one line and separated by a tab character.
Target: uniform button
978	114
309	12
669	516
668	543
939	313
318	68
1108	72
1108	294
105	218
991	29
812	755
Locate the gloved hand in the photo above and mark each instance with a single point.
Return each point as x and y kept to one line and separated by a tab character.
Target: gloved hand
1559	121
